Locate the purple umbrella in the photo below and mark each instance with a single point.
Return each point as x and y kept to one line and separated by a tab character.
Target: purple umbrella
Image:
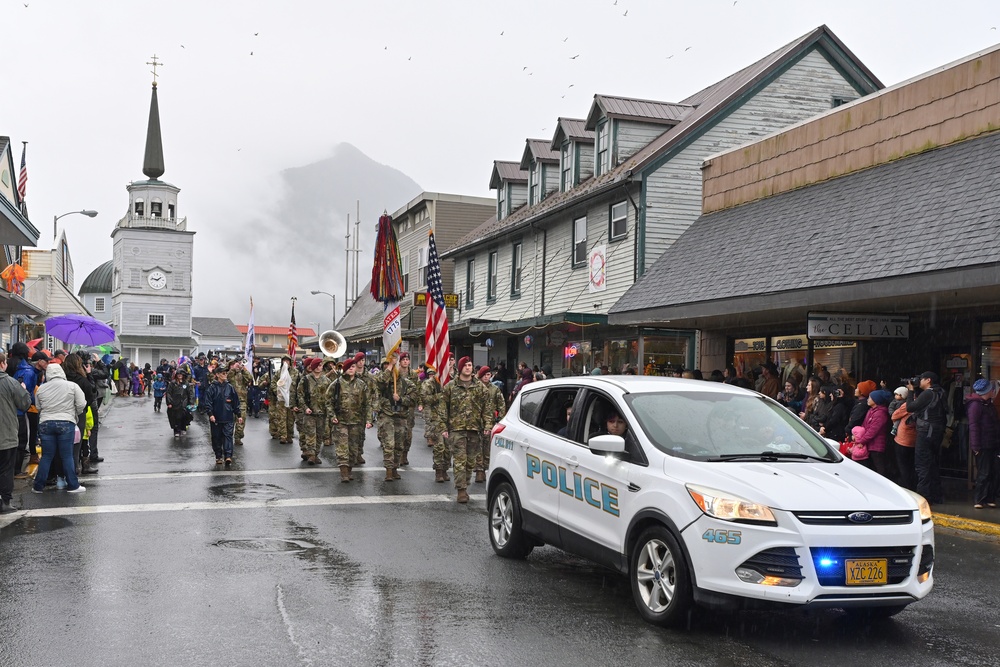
79	330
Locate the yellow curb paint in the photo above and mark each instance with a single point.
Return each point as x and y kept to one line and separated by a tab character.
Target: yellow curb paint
960	523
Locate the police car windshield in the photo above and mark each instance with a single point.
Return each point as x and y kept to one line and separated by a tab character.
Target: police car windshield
712	426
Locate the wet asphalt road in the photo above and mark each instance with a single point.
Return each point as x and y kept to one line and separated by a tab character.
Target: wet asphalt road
167	560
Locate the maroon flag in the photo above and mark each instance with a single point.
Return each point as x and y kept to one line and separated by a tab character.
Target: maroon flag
436	333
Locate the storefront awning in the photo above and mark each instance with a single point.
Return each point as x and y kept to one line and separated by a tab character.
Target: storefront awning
13	304
517	327
917	234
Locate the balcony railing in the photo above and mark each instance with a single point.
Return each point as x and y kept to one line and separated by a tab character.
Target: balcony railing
153	222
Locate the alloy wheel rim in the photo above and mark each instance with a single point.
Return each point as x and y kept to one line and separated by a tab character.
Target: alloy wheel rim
502	519
656	575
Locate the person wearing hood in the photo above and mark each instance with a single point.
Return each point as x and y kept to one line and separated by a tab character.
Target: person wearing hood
860	407
876	430
904	432
19	367
75	372
929	409
13	398
59	403
835	425
984	440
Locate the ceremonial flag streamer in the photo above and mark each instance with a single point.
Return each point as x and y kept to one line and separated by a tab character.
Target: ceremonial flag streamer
249	342
436	334
293	336
387	283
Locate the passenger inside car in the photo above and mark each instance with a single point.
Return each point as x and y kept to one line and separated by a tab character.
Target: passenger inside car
569	413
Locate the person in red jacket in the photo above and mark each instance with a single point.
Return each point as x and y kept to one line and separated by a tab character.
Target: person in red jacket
876	427
984	432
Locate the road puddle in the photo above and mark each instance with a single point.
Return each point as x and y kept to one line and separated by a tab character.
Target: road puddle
269	545
246	491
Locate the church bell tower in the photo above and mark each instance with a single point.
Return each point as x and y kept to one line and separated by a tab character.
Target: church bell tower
153	261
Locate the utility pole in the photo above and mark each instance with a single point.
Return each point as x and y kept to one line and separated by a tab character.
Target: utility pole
357	249
347	267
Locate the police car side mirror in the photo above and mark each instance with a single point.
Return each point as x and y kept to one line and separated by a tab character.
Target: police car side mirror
607	444
833	443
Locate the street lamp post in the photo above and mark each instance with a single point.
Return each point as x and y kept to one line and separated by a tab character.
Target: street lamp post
55	219
333	298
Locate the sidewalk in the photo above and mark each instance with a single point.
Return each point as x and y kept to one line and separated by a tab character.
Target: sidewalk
957	511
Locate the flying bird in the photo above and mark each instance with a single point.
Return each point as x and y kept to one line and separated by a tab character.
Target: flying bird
574	57
688	48
993	28
182	46
616	3
251	53
410	58
571	85
501	33
565	39
524	68
670	56
626	13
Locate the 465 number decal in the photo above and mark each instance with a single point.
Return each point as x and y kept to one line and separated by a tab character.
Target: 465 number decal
722	536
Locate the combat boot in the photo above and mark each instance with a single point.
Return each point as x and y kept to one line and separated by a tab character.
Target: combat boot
395	474
480	476
388	475
360	461
312	460
463	496
350	473
404	460
444	474
439	475
345	474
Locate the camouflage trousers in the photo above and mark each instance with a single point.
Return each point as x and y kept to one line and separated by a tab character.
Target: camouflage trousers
349	438
483	459
440	453
392	435
408	437
312	433
333	437
240	427
281	422
465	447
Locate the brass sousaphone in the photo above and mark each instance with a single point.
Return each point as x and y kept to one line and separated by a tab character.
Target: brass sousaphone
332	344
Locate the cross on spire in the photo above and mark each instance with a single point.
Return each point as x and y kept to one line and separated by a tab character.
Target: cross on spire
155	63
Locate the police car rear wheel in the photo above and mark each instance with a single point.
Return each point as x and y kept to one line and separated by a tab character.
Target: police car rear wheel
661	586
506	535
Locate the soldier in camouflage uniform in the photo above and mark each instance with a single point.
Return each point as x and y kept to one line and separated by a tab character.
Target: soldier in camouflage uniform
311	402
430	396
369	381
396	393
348	405
330	371
498	408
466	416
414	377
240	379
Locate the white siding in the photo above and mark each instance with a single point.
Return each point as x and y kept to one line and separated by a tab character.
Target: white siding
585	161
550	178
630	136
518	196
505	308
673	192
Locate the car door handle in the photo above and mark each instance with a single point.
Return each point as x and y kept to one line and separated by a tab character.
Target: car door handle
572	462
523	445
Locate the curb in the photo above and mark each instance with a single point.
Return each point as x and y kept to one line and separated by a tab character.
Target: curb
961	523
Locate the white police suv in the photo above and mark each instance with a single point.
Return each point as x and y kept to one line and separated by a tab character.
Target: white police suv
702	492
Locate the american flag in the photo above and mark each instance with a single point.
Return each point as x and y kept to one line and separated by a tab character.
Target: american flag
293	336
22	179
436	334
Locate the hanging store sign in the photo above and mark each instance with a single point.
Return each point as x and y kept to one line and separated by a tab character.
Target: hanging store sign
858	326
598	262
420	299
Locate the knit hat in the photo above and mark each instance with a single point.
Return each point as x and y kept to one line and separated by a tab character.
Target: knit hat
982	386
881	397
462	362
903	392
866	388
485	370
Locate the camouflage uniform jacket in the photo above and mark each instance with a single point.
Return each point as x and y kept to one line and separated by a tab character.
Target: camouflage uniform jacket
465	406
293	392
241	381
406	389
430	397
349	401
372	385
496	403
312	393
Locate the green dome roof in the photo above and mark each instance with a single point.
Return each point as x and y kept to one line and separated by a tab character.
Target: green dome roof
99	280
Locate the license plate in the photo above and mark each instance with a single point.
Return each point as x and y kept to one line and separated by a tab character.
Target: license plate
866	571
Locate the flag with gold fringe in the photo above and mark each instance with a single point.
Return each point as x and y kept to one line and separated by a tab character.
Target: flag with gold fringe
387	283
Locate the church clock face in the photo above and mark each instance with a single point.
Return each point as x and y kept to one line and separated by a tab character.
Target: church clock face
157	280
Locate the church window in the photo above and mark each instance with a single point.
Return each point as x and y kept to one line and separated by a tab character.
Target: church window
135	277
99	304
178	281
140	207
117	282
155	209
170	210
155	320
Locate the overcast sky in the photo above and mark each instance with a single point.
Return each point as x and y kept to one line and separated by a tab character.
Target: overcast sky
435	89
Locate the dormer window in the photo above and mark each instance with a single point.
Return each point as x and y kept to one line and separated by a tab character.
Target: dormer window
602	162
566	167
140	208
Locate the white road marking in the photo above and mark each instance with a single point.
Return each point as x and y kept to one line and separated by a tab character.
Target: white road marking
236	505
240	473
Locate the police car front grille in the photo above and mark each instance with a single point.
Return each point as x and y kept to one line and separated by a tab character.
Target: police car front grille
840	518
778	562
898	559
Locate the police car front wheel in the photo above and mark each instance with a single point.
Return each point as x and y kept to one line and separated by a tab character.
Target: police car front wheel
506	535
661	585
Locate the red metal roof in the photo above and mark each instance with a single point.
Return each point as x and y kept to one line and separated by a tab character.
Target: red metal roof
276	331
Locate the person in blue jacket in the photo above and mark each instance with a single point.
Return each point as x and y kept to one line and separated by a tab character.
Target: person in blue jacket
223	413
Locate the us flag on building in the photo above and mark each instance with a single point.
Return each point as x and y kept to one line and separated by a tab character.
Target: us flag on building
436	334
22	179
293	335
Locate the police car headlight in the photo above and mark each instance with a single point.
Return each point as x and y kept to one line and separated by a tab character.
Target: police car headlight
925	507
729	507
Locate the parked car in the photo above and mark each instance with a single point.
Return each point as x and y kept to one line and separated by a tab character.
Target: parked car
702	493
